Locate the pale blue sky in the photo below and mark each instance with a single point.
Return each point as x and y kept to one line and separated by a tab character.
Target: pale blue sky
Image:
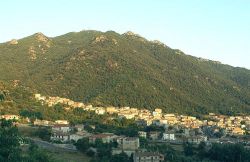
213	29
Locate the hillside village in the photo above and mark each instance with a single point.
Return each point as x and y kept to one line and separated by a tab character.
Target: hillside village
233	125
177	128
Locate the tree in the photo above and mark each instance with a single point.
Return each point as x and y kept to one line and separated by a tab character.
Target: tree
37	155
2	97
10	151
82	145
90	153
202	150
188	149
9	142
44	133
143	142
104	152
30	114
229	153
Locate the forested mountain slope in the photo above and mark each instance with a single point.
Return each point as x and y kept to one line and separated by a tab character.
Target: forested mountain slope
107	68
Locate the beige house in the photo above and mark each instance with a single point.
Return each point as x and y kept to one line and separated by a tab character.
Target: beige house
105	137
10	117
61	122
128	143
196	139
38	122
238	131
111	110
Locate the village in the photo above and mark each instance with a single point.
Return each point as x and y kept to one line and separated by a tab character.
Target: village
177	128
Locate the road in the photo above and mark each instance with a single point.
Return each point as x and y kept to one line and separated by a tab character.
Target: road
53	147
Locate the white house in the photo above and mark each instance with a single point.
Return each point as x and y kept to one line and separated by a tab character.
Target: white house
168	136
142	134
79	127
60	136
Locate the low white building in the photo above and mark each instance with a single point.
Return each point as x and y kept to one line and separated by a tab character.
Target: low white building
60	136
142	134
168	136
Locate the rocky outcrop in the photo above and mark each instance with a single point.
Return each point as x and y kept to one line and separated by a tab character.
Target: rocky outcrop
135	36
103	38
32	53
100	38
159	43
40	37
13	42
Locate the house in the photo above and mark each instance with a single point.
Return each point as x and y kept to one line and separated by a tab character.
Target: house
196	139
142	134
126	115
148	157
78	135
61	128
149	121
164	122
157	113
111	110
116	151
168	136
61	122
38	122
154	135
105	137
100	111
238	131
10	117
186	132
60	136
79	127
128	143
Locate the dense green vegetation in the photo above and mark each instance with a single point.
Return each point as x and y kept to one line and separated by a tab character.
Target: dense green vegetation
103	151
190	153
10	146
124	70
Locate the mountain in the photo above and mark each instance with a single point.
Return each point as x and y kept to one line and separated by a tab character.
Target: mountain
107	68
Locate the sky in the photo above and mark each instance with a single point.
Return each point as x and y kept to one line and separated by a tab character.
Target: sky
213	29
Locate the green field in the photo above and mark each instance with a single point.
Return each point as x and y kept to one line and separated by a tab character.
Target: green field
65	156
27	131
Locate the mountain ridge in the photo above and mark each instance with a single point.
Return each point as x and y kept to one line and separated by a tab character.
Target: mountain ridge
107	68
